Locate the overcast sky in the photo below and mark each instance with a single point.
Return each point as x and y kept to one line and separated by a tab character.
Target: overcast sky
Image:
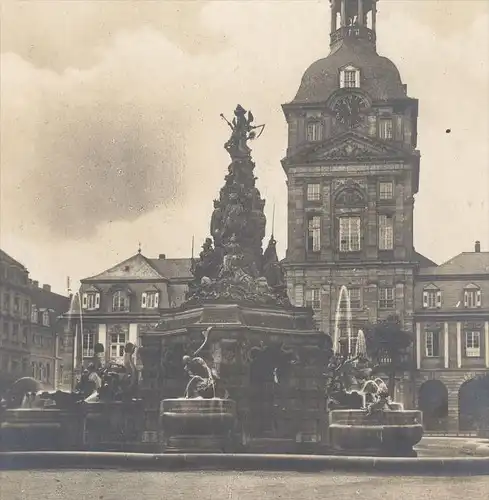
110	128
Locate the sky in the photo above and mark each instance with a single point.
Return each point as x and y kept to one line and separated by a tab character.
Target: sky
111	134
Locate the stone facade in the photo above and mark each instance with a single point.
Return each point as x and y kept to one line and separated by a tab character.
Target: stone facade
352	172
31	342
452	340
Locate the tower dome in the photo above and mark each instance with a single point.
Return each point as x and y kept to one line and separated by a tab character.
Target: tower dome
353	45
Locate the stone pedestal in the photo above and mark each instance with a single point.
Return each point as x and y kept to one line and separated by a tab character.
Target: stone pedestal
113	425
36	429
198	425
385	433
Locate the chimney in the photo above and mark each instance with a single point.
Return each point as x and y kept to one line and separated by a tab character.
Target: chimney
477	246
162	256
47	288
35	284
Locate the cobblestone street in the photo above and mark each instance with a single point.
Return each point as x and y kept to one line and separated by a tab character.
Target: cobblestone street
116	485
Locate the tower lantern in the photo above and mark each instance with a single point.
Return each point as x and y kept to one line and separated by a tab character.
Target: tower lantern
353	19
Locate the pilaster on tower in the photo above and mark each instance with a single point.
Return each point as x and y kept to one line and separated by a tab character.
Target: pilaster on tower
356	19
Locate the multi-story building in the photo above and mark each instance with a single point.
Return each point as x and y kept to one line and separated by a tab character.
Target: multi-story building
15	310
29	326
125	300
452	341
352	172
47	340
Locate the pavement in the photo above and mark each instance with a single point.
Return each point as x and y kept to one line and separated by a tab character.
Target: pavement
221	485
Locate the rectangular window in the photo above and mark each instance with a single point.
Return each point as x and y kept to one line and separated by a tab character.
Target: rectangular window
16	304
350	79
25	332
386	190
355	299
314	234
386	298
6	302
299	295
91	301
386	232
25	310
472	344
313	298
432	344
385	128
34	318
349	234
314	131
15	332
431	299
45	318
5	330
117	343
88	344
152	299
313	192
472	299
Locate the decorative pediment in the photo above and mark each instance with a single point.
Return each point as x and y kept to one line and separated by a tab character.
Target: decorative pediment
471	286
134	268
348	147
430	287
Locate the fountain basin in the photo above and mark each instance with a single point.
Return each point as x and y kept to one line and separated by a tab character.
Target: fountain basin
197	425
385	433
36	429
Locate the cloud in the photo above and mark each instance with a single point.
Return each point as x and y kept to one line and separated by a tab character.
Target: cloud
111	131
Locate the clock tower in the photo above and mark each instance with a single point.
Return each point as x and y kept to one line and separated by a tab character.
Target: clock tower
352	172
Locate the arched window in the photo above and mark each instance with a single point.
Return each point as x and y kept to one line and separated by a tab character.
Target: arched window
120	301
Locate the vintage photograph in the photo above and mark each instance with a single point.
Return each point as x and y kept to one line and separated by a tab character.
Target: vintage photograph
244	249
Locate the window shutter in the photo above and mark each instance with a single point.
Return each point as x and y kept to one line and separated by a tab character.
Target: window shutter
84	301
357	78
157	300
438	299
425	299
478	298
97	300
144	298
466	299
342	78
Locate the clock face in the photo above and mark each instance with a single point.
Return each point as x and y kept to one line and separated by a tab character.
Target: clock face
349	109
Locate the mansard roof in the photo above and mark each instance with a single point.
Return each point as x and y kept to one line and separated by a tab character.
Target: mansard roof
464	264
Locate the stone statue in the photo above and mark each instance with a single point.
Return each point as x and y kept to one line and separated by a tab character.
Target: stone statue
243	130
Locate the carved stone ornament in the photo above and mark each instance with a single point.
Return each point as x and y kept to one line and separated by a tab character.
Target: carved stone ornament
351	149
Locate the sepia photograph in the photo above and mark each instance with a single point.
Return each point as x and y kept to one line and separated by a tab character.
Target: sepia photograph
244	249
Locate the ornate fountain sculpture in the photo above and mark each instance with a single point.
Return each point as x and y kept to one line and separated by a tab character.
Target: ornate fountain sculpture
199	421
363	419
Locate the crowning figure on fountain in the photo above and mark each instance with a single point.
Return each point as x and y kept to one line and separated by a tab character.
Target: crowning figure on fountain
232	266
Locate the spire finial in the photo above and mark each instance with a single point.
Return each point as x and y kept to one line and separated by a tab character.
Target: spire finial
273	219
139	247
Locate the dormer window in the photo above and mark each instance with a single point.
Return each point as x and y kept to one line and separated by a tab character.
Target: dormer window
150	299
472	297
350	78
314	131
431	297
91	300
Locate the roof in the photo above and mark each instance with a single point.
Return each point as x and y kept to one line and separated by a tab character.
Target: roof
173	268
5	257
380	77
140	268
424	261
49	300
466	263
